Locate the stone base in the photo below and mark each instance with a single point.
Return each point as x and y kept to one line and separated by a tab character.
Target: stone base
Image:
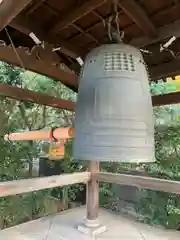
92	231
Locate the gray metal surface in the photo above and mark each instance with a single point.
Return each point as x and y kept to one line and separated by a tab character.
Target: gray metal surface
114	117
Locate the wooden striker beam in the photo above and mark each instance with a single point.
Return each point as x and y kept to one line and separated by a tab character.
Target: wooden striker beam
58	133
10	9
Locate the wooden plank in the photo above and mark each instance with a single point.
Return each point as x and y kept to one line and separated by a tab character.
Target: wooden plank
72	16
165	70
26	26
8	54
138	15
92	199
29	185
35	97
10	9
164	32
166	99
140	181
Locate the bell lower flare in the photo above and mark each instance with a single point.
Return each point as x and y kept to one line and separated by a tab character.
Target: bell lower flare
116	154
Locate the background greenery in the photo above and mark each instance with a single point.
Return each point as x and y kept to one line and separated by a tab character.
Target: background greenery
17	159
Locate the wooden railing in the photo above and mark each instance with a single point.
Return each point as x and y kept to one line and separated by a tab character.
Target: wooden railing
35	184
140	182
92	177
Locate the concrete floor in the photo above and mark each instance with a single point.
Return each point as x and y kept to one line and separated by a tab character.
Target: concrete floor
63	226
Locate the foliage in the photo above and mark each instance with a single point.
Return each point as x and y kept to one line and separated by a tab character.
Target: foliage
156	208
159	207
15	156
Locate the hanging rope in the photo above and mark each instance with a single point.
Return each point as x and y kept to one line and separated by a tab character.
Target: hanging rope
114	34
14	48
15	51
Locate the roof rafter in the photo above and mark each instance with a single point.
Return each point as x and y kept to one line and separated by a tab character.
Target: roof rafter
10	9
31	63
35	6
35	97
79	12
26	26
54	11
139	16
85	33
163	32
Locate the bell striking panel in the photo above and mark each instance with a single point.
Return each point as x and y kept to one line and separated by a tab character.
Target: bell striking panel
114	116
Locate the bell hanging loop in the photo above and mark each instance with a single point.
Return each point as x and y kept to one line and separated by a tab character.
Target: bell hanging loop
114	33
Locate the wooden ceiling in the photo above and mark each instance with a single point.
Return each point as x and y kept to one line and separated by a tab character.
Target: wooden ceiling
77	26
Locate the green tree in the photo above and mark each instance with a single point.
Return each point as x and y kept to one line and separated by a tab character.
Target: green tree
159	207
19	116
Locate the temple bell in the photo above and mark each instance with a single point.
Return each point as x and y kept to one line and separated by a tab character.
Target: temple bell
114	115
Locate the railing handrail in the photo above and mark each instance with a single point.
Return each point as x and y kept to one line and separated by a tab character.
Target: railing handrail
151	183
34	184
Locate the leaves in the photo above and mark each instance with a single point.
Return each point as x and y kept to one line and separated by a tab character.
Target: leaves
16	156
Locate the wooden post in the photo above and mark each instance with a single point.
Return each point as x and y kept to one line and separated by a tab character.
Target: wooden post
91	225
92	197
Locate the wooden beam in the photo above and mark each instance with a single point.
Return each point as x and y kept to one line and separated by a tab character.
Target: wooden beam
138	15
164	32
140	182
42	99
166	99
10	9
35	6
26	26
8	54
72	16
35	97
36	184
165	70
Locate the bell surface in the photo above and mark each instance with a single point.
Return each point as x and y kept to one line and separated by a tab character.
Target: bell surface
114	115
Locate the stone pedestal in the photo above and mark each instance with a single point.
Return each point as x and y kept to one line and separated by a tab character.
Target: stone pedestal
91	227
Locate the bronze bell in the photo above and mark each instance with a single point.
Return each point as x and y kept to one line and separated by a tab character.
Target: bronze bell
114	115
